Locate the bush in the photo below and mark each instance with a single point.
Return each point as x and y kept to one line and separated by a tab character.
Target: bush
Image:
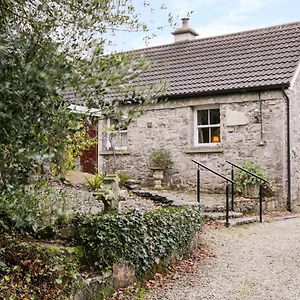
31	271
124	177
32	209
243	179
139	239
160	158
95	181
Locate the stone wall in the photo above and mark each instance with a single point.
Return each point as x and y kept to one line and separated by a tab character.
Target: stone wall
246	134
294	95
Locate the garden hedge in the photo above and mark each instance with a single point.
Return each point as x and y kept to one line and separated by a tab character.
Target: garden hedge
140	239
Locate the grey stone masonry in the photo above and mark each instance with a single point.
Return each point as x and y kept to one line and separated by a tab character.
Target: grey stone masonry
294	95
252	125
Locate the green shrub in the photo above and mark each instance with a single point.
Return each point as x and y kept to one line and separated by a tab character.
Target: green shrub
243	179
160	158
31	271
95	181
124	177
31	209
139	239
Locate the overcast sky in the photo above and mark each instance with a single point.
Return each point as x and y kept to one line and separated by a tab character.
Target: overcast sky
210	18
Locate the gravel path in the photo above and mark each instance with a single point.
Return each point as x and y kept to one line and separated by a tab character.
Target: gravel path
260	261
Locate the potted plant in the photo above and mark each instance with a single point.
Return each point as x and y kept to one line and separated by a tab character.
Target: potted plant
159	161
248	185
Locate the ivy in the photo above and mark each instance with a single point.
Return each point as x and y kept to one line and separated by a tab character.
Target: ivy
139	239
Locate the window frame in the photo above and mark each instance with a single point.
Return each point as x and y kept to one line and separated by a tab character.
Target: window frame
116	132
197	127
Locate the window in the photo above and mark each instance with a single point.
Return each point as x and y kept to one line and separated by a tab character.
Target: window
116	136
207	126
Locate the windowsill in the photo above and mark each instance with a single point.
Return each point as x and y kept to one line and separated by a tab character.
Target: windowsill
116	152
206	149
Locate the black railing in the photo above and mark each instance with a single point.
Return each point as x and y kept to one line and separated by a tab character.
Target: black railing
262	180
220	175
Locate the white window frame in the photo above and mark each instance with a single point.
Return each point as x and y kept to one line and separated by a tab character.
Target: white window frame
196	126
108	145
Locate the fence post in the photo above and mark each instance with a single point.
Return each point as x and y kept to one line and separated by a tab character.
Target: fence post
260	203
198	184
232	189
227	205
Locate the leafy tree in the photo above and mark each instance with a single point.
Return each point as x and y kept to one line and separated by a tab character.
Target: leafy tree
48	49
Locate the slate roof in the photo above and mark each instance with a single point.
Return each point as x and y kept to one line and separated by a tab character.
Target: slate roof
265	57
249	60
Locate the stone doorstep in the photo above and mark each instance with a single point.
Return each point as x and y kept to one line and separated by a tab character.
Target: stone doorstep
215	216
241	221
255	219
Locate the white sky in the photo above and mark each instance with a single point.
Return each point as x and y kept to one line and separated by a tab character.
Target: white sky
209	18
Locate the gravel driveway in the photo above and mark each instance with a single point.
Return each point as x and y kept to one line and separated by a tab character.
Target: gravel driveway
260	261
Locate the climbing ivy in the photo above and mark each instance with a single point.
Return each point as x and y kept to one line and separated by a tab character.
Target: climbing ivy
139	239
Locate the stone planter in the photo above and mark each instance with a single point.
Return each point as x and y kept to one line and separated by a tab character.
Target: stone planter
158	176
251	191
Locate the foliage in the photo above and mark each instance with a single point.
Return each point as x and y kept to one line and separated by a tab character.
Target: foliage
48	49
124	177
139	239
160	158
76	142
32	210
95	181
243	179
33	112
30	271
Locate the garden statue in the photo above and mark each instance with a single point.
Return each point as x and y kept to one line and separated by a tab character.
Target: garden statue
110	193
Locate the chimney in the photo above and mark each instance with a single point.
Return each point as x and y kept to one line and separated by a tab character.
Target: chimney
184	33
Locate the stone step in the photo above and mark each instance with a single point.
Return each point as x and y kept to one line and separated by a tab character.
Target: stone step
215	216
208	202
242	221
214	208
186	203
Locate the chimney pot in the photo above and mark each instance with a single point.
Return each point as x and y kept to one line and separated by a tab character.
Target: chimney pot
184	33
185	23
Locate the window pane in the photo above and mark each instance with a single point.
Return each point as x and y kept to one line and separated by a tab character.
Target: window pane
215	135
117	124
202	117
123	139
119	140
203	135
214	116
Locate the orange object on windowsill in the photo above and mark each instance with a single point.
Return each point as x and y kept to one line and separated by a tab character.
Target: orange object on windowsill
215	139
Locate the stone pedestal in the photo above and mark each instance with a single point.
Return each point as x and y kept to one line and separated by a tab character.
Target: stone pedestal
110	193
158	176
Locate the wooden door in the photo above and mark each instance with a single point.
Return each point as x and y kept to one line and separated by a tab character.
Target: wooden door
89	157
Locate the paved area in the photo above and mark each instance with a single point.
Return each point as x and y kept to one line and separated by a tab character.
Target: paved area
258	261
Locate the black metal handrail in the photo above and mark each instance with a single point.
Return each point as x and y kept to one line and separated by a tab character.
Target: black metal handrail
250	173
216	173
260	186
220	175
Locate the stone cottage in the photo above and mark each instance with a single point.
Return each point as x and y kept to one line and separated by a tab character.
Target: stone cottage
232	97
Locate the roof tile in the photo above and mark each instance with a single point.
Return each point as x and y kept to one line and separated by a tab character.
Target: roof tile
257	58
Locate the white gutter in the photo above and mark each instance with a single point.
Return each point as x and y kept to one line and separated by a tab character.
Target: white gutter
84	110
